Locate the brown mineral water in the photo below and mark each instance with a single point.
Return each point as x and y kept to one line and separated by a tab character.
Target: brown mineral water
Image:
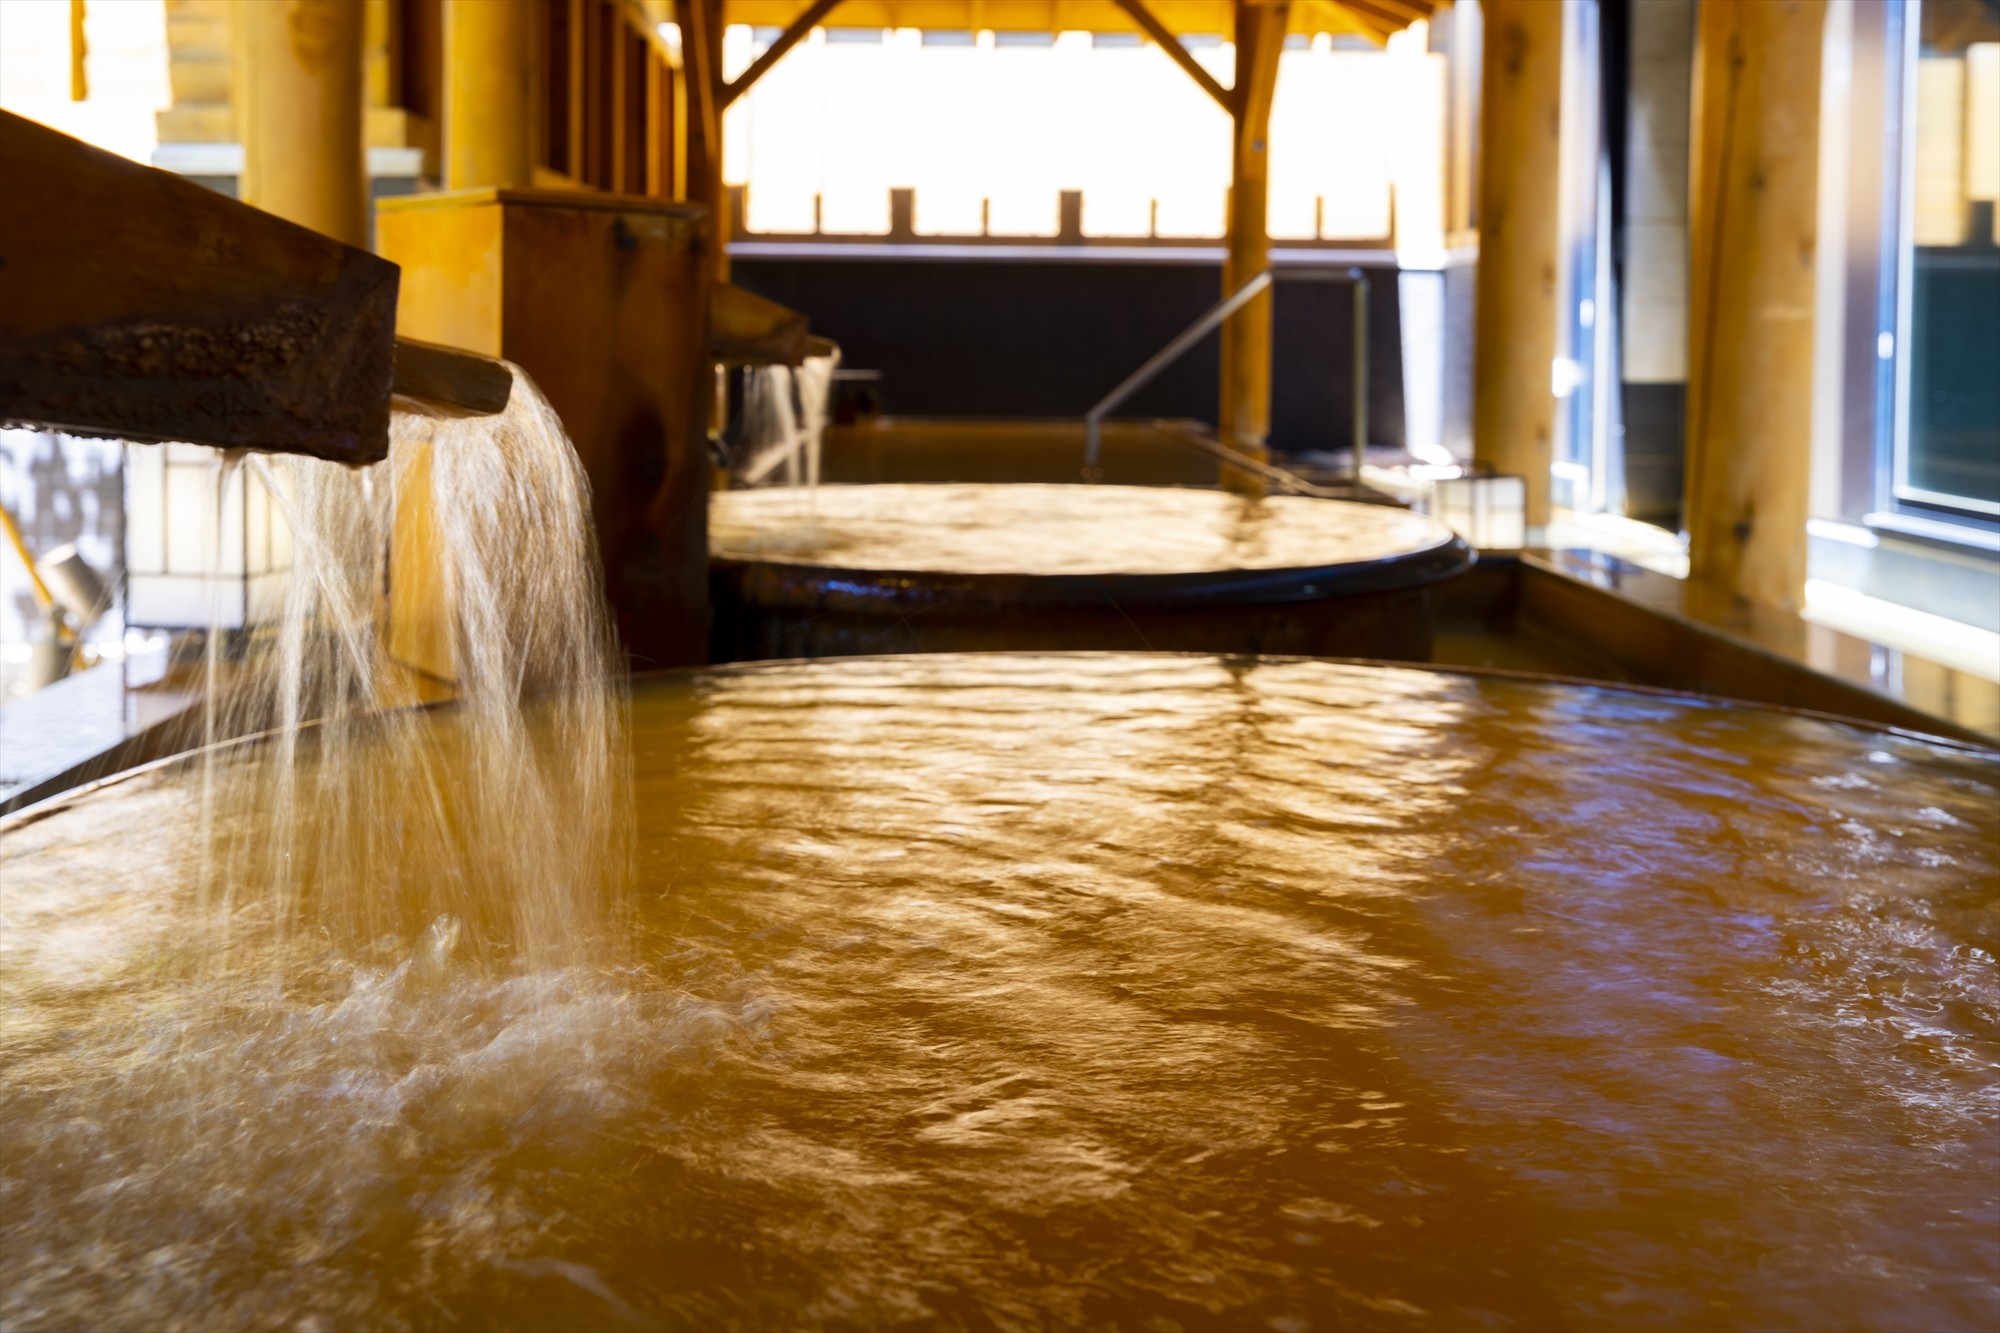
1030	992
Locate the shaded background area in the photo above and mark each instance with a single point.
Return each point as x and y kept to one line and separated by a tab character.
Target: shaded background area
1018	339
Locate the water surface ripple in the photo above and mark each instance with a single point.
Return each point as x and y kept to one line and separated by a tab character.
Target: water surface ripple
1023	992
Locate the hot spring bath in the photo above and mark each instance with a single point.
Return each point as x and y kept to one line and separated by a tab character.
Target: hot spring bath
1030	991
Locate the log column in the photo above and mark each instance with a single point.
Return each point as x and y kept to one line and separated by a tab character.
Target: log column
1246	336
1753	231
489	117
701	61
1520	127
299	102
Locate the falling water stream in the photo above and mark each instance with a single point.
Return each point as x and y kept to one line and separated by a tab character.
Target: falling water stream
1000	991
784	422
495	839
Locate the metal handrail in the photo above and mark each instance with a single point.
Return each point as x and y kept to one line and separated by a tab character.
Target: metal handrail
1167	355
1250	289
1195	438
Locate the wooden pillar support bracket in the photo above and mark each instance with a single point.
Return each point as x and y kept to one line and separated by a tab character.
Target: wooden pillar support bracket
776	51
1164	38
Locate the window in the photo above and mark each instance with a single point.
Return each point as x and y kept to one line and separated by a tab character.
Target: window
1906	418
1946	452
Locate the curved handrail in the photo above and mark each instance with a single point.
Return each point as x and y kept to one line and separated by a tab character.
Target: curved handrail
1166	356
1248	291
1282	478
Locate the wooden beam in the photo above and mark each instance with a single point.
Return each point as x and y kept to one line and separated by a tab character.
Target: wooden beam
793	34
1246	337
138	305
1412	10
745	329
452	376
1752	233
1180	55
1514	317
1397	14
1374	24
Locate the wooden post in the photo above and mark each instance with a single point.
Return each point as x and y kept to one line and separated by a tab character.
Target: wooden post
299	68
701	61
1246	336
489	116
1514	330
1753	232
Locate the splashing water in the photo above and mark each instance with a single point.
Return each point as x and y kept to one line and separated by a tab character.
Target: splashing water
784	421
505	846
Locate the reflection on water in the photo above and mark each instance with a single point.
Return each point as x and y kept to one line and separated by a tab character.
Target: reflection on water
1018	992
1044	530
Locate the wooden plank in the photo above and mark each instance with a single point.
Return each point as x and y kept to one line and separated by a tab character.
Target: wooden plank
746	329
138	305
453	377
1684	635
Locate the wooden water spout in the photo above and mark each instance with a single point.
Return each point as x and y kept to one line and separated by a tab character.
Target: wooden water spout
139	305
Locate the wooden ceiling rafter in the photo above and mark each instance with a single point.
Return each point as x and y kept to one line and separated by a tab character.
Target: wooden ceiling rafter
1375	20
1410	10
1328	17
1372	21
